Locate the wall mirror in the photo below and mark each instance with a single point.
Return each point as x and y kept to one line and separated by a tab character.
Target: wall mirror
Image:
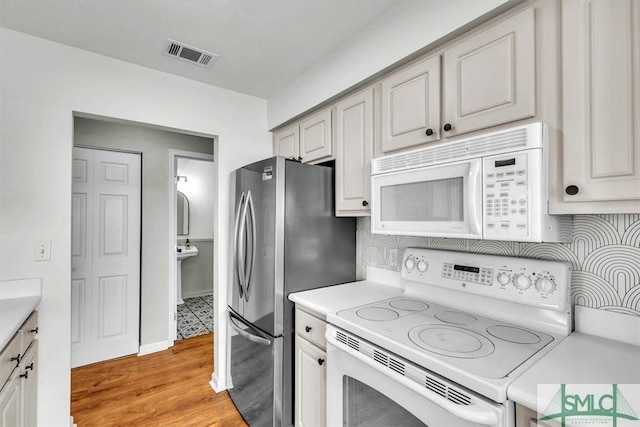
182	214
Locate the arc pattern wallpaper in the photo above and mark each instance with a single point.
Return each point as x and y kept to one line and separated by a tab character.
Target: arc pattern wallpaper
604	256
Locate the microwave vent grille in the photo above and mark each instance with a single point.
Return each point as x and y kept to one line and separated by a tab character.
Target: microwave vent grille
495	143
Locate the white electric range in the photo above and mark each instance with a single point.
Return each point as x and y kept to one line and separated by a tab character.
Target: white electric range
445	352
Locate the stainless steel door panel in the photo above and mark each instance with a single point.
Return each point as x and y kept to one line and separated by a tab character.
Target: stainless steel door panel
256	373
262	181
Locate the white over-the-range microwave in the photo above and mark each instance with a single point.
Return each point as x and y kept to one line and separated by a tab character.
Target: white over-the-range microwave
493	187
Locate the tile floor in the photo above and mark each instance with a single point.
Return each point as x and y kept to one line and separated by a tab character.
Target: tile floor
195	317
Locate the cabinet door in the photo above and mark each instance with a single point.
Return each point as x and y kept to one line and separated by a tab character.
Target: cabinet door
310	378
601	105
10	414
29	392
315	137
411	106
286	143
354	133
489	78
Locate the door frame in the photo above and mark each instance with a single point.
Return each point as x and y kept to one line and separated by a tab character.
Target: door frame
173	188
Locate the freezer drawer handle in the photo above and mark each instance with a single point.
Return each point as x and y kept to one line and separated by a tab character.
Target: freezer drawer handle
253	338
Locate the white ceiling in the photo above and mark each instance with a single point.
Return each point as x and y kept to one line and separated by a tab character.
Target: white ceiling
263	44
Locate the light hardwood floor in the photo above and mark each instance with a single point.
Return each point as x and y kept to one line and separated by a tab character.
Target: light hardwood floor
168	388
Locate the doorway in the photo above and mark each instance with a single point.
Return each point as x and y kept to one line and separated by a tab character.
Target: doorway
157	244
191	307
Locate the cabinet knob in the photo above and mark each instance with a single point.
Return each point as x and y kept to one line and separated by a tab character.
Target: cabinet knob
25	375
447	127
300	159
365	203
34	331
29	366
429	132
572	190
320	362
16	359
307	328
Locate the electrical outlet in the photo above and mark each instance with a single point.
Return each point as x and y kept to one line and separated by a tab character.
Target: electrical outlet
42	251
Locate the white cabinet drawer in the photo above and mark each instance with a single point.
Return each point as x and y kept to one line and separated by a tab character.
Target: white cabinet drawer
28	331
311	328
11	351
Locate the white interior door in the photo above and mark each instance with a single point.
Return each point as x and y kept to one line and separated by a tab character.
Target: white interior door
105	273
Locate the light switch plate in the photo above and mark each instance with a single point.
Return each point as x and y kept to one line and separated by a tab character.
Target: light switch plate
42	251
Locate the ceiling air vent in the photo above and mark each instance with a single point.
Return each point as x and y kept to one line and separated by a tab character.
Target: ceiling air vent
191	54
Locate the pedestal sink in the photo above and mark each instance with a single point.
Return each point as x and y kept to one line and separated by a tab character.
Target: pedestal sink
182	253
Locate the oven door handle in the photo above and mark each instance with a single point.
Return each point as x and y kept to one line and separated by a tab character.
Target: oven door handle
473	413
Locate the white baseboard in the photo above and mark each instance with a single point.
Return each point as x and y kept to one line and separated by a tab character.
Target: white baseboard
71	423
153	347
198	293
215	384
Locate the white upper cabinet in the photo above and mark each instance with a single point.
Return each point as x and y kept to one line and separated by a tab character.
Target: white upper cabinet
601	106
411	106
489	78
315	137
286	142
309	140
354	150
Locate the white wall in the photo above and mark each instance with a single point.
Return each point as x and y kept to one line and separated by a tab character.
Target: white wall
200	176
405	29
41	85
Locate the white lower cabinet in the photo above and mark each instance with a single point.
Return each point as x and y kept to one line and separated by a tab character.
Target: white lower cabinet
10	414
19	384
310	371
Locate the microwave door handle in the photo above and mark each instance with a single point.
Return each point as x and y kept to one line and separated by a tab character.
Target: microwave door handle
473	413
475	216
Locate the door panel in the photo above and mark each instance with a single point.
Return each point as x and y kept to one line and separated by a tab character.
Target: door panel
252	375
105	255
260	305
489	78
411	105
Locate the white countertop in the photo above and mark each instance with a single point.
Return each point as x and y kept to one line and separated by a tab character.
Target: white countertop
579	359
334	298
18	298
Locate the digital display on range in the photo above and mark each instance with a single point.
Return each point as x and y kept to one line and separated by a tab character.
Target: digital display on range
466	268
508	162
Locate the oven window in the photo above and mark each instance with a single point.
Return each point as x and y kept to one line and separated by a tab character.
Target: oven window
365	406
439	200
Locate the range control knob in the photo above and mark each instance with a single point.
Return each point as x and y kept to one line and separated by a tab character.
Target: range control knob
422	266
409	264
503	278
521	281
545	285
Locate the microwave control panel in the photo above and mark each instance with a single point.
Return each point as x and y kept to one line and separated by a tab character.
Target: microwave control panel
507	201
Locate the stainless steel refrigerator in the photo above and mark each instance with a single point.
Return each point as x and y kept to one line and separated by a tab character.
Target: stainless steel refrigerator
284	238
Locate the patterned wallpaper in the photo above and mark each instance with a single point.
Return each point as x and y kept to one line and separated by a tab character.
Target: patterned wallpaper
604	255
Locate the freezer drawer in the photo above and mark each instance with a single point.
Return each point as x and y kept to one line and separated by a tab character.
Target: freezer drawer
256	373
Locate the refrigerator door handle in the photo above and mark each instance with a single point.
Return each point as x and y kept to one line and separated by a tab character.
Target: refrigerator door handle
237	248
252	263
253	338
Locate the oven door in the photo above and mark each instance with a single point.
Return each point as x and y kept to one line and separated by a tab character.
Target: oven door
442	201
367	386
